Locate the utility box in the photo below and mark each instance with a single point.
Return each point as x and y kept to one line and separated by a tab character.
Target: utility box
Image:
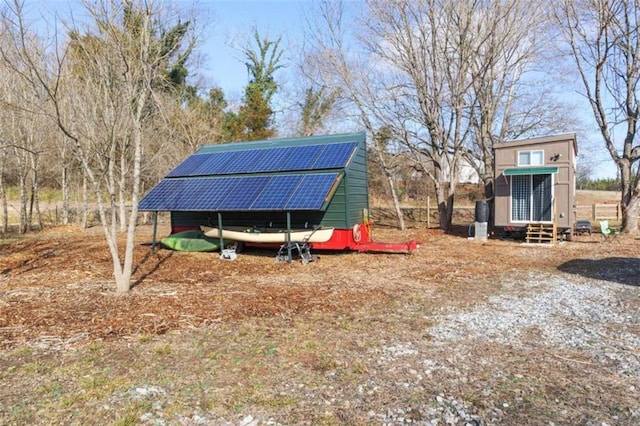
480	231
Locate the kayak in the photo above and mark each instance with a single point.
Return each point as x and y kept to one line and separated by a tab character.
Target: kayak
320	235
194	241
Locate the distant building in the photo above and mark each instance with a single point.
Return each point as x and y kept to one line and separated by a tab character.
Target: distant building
467	173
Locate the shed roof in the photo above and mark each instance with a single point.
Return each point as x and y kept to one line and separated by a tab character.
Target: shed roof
281	174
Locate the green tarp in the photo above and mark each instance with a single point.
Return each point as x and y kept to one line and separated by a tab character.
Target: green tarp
190	241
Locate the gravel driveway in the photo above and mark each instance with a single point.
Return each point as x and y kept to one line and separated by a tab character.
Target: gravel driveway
595	321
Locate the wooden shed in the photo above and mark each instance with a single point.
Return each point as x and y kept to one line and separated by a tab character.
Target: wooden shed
270	186
535	187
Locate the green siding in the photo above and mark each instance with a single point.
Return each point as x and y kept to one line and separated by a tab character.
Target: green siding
351	196
334	215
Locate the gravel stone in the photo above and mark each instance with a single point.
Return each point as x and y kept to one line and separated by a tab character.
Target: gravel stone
569	312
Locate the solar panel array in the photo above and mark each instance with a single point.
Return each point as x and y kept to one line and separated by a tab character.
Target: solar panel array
261	160
233	193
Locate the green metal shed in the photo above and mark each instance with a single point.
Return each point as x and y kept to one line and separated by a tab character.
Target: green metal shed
302	183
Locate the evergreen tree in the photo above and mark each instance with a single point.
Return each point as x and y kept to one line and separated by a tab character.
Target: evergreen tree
254	120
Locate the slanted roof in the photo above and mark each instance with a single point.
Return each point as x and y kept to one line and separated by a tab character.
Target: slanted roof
539	140
284	174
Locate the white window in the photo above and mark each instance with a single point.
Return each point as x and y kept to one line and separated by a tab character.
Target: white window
531	158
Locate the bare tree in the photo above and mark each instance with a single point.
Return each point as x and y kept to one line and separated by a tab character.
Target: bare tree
411	77
445	79
604	40
23	142
101	90
511	96
329	63
65	166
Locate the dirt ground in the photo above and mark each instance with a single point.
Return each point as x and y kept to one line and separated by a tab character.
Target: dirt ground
58	283
58	308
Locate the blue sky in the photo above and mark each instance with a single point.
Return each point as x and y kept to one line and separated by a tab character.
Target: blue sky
229	20
235	19
226	21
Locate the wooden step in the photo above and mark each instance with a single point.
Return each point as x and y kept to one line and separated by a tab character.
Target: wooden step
542	233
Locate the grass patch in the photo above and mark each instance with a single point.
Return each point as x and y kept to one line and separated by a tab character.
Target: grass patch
163	350
22	352
37	368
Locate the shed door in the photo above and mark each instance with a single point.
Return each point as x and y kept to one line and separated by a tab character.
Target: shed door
531	198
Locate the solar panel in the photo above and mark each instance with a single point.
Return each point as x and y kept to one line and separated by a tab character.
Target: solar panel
270	159
163	196
214	191
307	157
277	192
191	193
189	165
214	163
188	194
241	162
244	193
335	155
301	158
260	179
295	192
311	192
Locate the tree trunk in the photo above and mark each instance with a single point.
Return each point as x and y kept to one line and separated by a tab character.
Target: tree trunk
5	208
487	182
396	202
3	195
111	186
121	190
444	182
35	189
392	189
489	196
450	202
24	196
445	208
630	216
65	187
123	283
122	206
85	202
630	202
32	199
65	195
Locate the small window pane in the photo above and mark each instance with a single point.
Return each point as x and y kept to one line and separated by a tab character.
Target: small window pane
524	158
537	158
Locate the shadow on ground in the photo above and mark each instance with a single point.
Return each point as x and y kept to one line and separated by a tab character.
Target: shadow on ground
622	270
